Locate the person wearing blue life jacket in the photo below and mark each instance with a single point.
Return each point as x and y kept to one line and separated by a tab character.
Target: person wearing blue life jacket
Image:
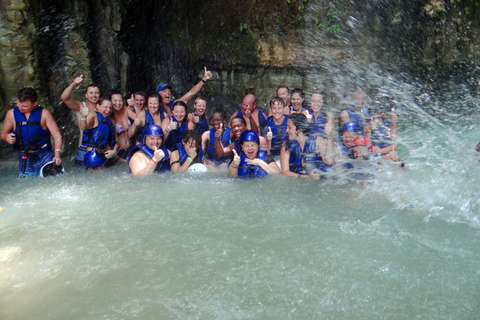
175	127
151	115
382	134
253	116
198	117
303	155
29	128
297	99
188	152
356	112
99	135
252	162
123	117
220	132
239	125
274	129
348	133
150	156
164	91
315	116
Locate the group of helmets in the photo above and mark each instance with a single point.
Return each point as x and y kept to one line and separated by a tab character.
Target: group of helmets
94	159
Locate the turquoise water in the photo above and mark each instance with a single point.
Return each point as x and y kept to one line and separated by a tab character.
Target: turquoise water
204	246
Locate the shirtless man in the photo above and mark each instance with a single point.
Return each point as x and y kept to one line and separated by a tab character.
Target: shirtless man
253	116
92	94
165	92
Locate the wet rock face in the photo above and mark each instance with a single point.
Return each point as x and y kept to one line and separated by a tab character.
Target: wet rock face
253	46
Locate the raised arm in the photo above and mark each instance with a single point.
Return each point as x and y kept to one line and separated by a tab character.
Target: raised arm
66	94
196	88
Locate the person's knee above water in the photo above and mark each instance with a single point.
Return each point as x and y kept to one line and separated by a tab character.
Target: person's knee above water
188	151
99	135
252	161
150	156
29	127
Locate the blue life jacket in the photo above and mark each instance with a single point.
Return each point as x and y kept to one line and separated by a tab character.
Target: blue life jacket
278	138
381	136
211	153
246	170
176	135
182	154
317	126
148	121
309	154
261	115
162	166
29	133
355	117
202	125
101	135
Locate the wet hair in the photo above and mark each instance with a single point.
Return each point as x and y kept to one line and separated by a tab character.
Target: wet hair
153	95
27	94
201	98
220	112
241	119
140	93
115	92
300	122
299	91
183	104
103	99
324	98
278	100
192	135
280	87
92	85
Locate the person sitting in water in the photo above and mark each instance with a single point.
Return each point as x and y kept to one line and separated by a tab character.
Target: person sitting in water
274	129
176	126
356	112
122	115
348	132
164	90
209	138
382	135
92	94
99	135
150	156
136	103
239	125
297	101
29	127
198	117
249	111
188	151
316	117
302	155
252	161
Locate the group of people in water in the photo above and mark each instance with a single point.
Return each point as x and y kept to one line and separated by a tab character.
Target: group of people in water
156	133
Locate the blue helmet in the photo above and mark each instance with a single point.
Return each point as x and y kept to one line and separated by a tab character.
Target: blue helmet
153	130
350	126
249	135
93	161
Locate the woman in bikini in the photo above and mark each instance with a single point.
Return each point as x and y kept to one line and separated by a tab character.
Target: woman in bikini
123	117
